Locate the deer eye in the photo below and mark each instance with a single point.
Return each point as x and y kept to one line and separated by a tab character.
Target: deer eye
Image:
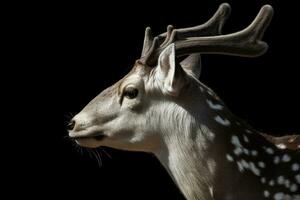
130	93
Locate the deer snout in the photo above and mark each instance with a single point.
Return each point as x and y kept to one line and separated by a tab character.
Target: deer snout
82	127
71	125
75	126
79	123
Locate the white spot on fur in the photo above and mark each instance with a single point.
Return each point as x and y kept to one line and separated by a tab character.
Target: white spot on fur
276	160
266	193
224	122
291	140
261	164
229	157
248	131
286	158
281	146
245	164
238	151
246	151
295	167
297	177
270	150
240	166
287	183
280	180
254	153
263	180
211	191
279	196
214	106
246	139
235	140
207	132
293	188
271	182
254	169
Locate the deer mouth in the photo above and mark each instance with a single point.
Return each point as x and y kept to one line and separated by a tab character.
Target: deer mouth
97	136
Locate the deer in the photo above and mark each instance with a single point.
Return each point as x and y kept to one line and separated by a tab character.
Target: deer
162	108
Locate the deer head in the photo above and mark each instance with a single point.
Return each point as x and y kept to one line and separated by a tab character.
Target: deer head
144	107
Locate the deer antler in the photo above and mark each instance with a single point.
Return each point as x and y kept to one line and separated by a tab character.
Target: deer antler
212	27
243	43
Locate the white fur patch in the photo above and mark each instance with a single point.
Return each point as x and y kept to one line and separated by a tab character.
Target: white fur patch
270	150
286	158
245	164
207	132
214	106
248	131
235	140
266	193
254	153
280	180
261	164
238	151
229	157
224	122
254	169
281	146
293	188
297	177
287	183
279	196
246	151
240	166
246	138
295	167
276	160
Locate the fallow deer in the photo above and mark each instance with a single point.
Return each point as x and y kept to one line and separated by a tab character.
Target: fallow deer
161	107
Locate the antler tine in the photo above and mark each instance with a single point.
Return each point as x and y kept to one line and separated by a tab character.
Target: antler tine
148	39
212	27
167	35
245	43
261	22
147	56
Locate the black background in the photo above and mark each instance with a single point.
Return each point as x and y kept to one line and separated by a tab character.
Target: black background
67	53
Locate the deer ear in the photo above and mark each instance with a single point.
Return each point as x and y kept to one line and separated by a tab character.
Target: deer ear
192	65
170	74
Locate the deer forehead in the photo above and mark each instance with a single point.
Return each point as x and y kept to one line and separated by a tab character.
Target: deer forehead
135	77
132	79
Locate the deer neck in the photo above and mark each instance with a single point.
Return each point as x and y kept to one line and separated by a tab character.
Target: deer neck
188	166
210	153
187	151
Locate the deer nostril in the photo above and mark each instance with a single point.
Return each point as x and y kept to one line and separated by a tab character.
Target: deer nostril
71	125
